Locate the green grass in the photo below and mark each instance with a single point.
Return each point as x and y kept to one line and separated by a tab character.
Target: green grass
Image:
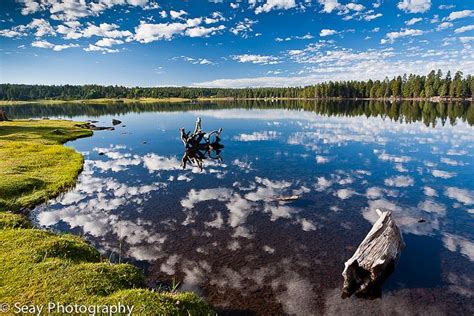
34	165
37	266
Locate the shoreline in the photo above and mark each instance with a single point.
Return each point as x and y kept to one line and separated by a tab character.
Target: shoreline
211	99
61	267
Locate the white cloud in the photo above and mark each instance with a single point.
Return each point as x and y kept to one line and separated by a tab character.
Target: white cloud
194	61
16	31
196	196
456	243
201	31
105	30
155	162
108	42
414	6
399	181
30	7
322	184
355	7
413	21
256	59
461	195
55	47
42	27
275	5
464	29
442	174
147	33
257	136
104	50
329	5
432	207
370	17
177	14
243	28
444	25
392	36
466	39
460	15
446	6
289	38
321	159
428	191
344	194
327	32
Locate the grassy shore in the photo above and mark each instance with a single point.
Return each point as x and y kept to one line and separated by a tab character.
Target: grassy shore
37	266
97	101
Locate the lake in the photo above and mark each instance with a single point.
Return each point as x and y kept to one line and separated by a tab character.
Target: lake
224	232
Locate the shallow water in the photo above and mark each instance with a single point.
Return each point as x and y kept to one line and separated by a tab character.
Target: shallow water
223	233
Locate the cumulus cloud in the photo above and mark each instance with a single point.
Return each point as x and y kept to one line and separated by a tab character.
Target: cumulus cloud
413	21
155	163
257	136
275	5
147	32
177	14
108	42
392	36
344	194
327	32
55	47
463	196
414	6
243	28
464	29
256	59
442	174
399	181
202	31
460	15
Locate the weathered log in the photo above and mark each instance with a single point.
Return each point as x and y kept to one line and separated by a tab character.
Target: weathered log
374	260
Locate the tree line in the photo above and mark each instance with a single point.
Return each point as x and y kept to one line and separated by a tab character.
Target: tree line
407	111
406	86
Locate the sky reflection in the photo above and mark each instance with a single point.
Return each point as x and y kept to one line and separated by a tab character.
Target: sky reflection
231	230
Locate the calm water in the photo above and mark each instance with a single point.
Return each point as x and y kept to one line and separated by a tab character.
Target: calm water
224	234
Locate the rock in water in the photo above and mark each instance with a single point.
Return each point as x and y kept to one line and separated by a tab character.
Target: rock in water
116	122
374	260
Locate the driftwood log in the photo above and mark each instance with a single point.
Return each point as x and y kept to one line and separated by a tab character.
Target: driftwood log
374	260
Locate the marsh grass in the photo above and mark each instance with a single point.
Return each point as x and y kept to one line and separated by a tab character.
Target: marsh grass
37	266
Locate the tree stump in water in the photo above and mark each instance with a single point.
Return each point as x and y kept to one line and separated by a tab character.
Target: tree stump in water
3	115
374	260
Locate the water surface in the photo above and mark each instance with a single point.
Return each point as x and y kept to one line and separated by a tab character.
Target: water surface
224	233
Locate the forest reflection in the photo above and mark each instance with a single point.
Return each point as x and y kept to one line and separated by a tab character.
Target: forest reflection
429	113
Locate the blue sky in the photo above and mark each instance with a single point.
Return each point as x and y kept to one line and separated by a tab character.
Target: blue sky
230	43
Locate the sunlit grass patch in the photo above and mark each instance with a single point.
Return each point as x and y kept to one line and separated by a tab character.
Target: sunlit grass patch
37	267
34	165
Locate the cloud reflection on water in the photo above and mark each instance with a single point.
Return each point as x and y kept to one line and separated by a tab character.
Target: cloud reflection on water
341	169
